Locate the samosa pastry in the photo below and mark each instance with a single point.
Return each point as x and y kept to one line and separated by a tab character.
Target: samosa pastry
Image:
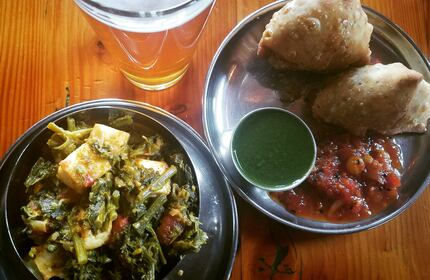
388	99
317	35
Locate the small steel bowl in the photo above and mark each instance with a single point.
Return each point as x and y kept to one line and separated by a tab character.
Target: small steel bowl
283	187
219	220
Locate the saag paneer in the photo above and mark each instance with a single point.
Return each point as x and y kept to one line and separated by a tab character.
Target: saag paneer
109	205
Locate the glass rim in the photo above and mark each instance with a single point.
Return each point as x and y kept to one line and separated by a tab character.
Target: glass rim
138	14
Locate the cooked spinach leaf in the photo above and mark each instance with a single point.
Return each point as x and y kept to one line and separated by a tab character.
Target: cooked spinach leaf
42	169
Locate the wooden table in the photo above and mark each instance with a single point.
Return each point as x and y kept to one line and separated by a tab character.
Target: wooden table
48	52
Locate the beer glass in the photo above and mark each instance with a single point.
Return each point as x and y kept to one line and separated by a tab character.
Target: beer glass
152	41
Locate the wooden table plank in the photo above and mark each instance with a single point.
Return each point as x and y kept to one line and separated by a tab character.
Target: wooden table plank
48	51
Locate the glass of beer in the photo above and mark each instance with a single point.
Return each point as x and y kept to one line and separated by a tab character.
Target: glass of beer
152	41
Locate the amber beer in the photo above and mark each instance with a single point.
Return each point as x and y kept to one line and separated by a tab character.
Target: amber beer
152	42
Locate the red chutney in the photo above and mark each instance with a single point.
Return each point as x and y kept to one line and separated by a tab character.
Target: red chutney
353	178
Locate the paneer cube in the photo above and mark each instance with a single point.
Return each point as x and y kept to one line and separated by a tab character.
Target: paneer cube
158	166
85	165
80	169
92	241
49	264
109	138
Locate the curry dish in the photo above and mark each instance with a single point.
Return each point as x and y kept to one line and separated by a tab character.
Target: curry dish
109	204
353	178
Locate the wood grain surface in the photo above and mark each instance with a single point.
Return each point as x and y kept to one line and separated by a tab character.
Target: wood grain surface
49	52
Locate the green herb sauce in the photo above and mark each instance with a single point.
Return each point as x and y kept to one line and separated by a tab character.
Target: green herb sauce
273	149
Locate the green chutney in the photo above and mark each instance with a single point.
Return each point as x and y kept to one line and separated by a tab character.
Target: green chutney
273	149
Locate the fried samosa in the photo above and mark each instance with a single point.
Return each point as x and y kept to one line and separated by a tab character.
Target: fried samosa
317	35
387	99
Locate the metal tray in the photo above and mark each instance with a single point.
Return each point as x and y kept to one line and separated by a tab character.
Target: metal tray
239	82
217	211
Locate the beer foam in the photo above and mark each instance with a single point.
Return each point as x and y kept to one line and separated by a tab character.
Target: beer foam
154	22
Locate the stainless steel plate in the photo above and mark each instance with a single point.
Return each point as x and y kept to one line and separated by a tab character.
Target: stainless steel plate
217	210
239	82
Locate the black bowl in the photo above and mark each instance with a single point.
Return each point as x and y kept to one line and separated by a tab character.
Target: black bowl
19	160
